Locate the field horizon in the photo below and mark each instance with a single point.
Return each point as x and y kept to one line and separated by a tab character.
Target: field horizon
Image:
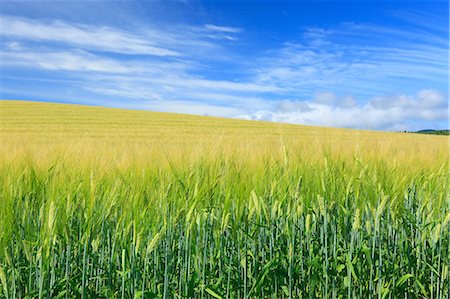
424	130
198	115
52	125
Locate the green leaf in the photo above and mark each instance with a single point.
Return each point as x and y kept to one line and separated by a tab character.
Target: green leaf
212	293
385	291
422	288
61	294
286	290
403	279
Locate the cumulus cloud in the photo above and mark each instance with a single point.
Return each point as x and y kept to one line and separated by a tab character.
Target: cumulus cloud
391	113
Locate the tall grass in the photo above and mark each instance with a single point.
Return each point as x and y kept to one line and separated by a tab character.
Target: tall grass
286	212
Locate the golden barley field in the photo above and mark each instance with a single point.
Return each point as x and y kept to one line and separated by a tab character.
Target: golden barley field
113	203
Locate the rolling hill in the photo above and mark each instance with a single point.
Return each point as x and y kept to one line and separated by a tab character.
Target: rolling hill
108	203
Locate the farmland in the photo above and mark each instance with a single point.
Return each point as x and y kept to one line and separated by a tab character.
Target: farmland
101	202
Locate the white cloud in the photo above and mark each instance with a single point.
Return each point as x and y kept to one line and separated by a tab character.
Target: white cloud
89	37
81	51
225	29
218	32
82	62
391	113
75	60
199	84
356	58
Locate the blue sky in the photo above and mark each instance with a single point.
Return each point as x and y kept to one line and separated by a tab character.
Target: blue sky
359	64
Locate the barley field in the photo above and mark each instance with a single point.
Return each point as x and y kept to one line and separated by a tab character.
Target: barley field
111	203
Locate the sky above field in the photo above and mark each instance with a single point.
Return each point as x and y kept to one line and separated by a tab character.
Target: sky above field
357	64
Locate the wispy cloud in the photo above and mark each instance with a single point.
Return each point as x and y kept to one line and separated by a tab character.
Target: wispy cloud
357	58
75	60
225	29
89	37
79	50
72	60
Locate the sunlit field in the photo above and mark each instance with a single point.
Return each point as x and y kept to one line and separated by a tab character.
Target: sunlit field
111	203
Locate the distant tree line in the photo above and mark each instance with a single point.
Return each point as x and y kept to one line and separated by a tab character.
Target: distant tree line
433	132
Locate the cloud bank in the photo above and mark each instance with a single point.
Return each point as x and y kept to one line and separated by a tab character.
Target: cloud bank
399	112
